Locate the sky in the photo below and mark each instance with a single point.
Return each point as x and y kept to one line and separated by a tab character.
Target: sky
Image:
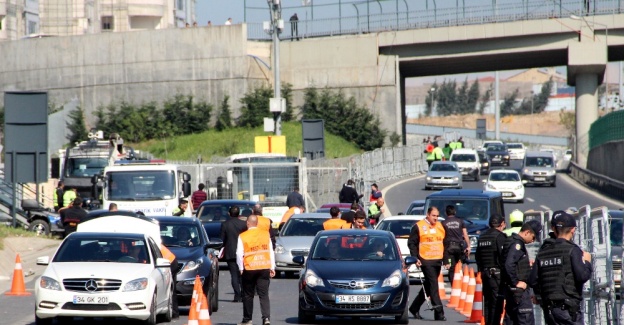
218	11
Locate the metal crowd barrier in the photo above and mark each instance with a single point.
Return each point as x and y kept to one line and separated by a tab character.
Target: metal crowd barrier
544	218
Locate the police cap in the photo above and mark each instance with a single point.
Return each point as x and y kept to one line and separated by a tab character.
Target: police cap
535	225
496	220
562	219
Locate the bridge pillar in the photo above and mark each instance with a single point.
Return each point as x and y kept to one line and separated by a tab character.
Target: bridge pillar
587	62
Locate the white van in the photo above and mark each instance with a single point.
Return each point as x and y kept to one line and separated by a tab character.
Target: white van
468	162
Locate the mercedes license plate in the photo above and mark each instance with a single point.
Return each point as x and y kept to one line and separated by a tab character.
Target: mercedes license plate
540	179
353	299
96	300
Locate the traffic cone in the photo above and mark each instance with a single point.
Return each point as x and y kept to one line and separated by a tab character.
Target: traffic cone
464	288
502	321
204	313
192	316
456	286
196	291
476	315
472	285
441	289
18	288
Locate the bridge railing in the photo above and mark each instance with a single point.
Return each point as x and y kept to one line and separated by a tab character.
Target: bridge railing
433	16
603	184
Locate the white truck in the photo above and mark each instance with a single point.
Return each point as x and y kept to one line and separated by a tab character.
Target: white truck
152	187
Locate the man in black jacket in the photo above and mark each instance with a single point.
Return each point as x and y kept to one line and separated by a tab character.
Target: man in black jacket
230	230
348	193
72	216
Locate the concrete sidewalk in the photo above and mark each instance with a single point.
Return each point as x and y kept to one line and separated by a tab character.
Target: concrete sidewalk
29	248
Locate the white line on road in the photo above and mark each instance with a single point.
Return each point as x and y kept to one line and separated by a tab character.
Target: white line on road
544	207
387	189
530	199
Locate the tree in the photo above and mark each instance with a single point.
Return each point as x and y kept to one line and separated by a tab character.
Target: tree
255	107
446	98
462	99
430	99
568	120
473	97
395	139
508	105
289	114
485	100
76	126
224	119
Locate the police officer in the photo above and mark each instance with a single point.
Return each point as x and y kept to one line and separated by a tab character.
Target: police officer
488	256
515	274
456	241
560	270
256	262
516	218
181	208
426	243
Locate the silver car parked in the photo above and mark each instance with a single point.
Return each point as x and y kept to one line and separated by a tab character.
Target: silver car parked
443	174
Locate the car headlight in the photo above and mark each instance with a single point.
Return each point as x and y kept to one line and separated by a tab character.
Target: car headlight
428	178
191	265
279	249
456	179
525	171
490	186
485	164
312	280
49	283
506	156
136	285
394	280
550	172
473	241
519	187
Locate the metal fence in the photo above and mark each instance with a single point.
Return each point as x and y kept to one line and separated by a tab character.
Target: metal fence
603	184
358	17
607	128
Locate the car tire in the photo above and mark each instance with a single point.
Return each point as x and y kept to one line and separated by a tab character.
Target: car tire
553	184
214	300
427	188
521	201
43	321
40	227
477	178
403	318
289	274
151	320
304	318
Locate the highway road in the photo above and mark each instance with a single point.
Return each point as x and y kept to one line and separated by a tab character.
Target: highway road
283	291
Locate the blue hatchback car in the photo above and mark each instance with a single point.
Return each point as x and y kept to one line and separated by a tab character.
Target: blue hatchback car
354	273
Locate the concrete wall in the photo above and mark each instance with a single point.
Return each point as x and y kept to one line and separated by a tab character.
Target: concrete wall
208	63
606	160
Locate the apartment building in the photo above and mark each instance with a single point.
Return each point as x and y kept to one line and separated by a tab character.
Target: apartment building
37	18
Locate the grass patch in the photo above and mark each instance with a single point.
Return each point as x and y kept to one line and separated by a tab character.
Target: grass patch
238	140
8	231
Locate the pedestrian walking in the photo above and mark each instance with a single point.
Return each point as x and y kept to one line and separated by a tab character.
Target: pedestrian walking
456	241
230	230
488	256
426	243
256	260
294	28
295	198
560	270
335	222
515	274
375	193
199	196
348	193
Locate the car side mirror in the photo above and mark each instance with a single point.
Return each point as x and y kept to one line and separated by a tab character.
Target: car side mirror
43	260
163	262
410	260
299	260
215	243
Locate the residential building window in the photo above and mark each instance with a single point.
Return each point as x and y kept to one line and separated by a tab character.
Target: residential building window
32	27
107	23
180	4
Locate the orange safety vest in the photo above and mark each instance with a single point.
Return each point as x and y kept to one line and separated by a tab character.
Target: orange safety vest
166	253
256	253
264	223
289	214
431	246
332	224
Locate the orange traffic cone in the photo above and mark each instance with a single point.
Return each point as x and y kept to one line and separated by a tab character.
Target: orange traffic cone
192	316
472	285
456	286
464	288
441	289
18	288
502	321
204	313
197	288
476	315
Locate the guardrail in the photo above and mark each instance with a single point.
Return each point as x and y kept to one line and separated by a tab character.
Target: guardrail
603	184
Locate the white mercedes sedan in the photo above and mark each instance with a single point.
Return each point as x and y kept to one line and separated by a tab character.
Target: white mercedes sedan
116	275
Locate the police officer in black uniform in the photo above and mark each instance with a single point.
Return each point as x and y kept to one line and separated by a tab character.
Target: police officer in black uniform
488	256
560	270
456	241
515	274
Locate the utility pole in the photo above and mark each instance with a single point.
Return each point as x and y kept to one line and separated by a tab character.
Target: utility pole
274	28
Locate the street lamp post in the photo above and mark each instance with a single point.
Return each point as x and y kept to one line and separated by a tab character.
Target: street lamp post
432	93
274	27
532	98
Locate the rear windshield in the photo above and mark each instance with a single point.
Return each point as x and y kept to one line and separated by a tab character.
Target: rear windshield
219	211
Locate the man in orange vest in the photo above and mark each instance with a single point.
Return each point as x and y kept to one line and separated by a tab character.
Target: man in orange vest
166	253
335	222
256	260
426	243
264	223
290	213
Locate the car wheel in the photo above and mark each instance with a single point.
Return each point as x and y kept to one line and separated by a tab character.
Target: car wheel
289	274
403	318
168	315
553	184
151	320
304	318
427	188
43	321
40	227
521	201
477	178
214	300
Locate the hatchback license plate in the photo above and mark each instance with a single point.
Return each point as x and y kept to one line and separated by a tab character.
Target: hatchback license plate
507	194
96	300
353	299
540	179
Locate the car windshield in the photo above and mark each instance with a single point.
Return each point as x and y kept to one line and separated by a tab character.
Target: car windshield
302	227
400	228
354	247
103	249
470	209
463	157
496	147
443	168
504	177
417	211
514	146
616	232
180	235
538	162
219	212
